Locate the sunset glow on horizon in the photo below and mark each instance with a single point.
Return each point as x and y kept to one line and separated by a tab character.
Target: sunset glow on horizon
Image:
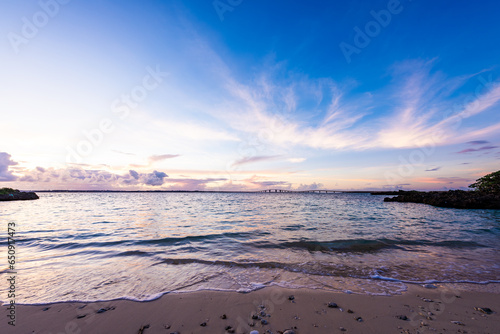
248	95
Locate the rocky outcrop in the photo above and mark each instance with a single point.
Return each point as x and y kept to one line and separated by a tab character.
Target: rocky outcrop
387	192
18	196
450	199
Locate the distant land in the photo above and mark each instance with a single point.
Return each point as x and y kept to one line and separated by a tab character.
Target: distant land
273	191
451	199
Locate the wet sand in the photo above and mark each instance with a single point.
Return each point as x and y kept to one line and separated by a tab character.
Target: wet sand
270	310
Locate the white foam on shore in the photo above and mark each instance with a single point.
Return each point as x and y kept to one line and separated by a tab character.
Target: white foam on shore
368	289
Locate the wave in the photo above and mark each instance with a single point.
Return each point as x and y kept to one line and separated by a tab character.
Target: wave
342	245
55	242
306	268
309	268
365	245
206	237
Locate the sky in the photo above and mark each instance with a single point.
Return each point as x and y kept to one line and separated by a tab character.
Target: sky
248	95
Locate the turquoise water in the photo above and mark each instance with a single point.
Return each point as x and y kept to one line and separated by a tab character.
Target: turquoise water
101	246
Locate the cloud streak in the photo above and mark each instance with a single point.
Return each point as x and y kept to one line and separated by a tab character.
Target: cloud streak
248	160
412	111
484	148
155	158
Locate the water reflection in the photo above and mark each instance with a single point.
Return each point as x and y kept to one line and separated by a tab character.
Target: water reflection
92	246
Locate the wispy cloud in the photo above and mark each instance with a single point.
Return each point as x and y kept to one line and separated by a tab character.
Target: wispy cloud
121	152
155	158
484	148
249	160
433	169
478	142
412	111
444	180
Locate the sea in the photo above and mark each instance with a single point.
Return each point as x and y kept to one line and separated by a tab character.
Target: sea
139	246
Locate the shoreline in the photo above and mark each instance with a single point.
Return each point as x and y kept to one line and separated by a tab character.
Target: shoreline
483	287
274	309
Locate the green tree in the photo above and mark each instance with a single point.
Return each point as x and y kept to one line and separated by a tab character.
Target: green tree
488	184
5	191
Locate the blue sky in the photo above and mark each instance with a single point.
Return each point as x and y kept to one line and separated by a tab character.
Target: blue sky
248	95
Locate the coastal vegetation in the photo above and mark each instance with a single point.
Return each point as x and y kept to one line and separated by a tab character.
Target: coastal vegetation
5	191
489	184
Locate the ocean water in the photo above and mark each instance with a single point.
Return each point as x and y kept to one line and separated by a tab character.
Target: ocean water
103	246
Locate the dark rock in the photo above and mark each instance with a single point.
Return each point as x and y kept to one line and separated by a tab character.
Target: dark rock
264	322
203	324
291	297
223	316
142	329
255	316
102	310
81	316
18	196
485	310
402	317
359	319
289	331
386	192
350	311
450	199
332	305
229	329
342	329
45	309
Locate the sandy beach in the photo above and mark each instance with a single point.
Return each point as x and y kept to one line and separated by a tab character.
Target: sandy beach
271	310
